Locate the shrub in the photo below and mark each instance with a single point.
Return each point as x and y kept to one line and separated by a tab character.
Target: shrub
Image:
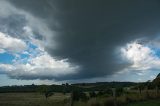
119	91
48	94
92	94
100	93
78	95
83	96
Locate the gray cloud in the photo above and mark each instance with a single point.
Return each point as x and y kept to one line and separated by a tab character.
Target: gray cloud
12	24
89	31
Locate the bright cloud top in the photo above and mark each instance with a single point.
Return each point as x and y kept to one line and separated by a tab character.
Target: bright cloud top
10	44
39	67
142	57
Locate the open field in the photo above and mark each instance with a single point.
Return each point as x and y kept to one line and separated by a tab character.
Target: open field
147	103
32	99
59	99
99	94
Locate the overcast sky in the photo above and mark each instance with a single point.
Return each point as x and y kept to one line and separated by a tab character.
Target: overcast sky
57	41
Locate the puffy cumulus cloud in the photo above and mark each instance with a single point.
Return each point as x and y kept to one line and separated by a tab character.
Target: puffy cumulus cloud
36	62
40	67
10	44
140	56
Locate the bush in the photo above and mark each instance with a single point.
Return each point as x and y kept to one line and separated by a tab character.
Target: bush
100	93
108	91
92	94
77	95
83	96
48	94
119	91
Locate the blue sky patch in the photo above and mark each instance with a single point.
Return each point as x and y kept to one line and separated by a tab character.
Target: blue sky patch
6	58
30	45
156	51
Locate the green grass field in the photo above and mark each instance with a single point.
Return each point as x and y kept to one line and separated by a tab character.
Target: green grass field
58	99
33	99
147	103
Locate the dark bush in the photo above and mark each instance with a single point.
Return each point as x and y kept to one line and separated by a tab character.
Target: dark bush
83	96
100	93
92	94
78	95
119	91
48	94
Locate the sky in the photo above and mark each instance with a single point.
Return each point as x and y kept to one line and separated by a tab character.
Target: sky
59	41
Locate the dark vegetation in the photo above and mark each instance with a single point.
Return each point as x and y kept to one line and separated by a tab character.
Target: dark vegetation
66	88
95	94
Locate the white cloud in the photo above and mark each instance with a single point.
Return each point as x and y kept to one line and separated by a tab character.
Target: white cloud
140	56
42	67
6	67
8	43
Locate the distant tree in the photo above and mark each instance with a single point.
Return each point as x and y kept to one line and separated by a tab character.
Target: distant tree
42	88
156	83
141	86
67	84
147	85
46	90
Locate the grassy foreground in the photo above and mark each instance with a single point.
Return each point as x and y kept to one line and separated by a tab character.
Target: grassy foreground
32	99
59	99
147	103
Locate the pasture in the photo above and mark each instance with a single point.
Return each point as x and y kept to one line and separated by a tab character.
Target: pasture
59	99
33	99
147	103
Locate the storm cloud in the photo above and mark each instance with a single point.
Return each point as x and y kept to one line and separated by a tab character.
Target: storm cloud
88	32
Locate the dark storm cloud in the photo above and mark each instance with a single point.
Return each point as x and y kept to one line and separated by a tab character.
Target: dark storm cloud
88	31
